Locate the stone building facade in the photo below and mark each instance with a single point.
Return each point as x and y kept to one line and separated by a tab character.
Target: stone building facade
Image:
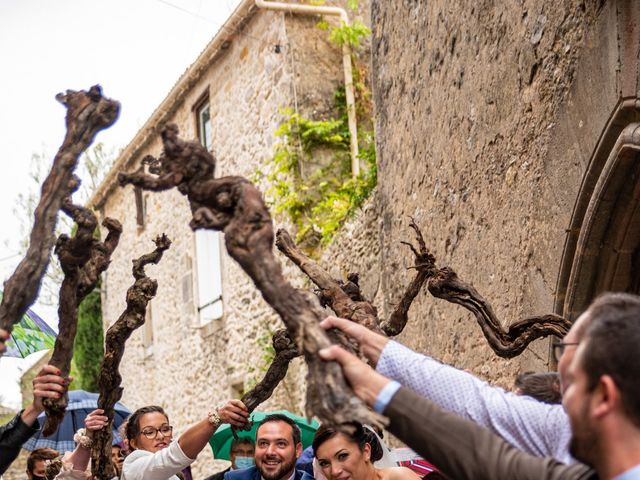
207	331
507	130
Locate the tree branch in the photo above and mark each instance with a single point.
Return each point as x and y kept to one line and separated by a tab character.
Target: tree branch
138	297
87	114
234	205
507	343
444	283
82	259
332	292
286	350
345	299
399	317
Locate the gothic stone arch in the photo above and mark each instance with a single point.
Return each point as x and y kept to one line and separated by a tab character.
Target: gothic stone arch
602	249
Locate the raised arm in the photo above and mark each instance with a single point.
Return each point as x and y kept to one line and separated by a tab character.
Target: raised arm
47	384
459	448
78	460
195	438
534	427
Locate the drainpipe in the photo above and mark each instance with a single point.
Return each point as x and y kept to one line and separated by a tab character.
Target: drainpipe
346	63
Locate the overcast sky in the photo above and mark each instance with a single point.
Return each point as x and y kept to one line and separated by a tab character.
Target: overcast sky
135	49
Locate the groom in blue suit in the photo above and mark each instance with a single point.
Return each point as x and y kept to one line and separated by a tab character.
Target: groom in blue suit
278	446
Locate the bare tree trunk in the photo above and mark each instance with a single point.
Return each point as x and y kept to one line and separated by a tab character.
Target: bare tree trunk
82	258
441	283
286	351
87	114
138	297
234	205
332	292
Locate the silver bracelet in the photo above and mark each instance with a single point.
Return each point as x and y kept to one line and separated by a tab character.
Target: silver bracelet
82	439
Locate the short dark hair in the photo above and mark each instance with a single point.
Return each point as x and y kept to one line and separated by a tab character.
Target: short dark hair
543	386
613	336
40	454
361	436
241	441
132	429
279	417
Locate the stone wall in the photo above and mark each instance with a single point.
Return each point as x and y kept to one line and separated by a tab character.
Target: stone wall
487	117
275	61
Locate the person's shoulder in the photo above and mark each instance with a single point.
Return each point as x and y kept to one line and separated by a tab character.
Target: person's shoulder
218	476
302	475
244	474
399	473
135	455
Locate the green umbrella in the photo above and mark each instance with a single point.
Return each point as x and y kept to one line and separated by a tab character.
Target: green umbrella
31	334
221	440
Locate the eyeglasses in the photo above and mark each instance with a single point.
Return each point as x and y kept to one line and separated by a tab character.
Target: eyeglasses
151	432
558	348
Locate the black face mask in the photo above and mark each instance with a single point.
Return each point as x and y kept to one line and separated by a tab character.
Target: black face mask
36	477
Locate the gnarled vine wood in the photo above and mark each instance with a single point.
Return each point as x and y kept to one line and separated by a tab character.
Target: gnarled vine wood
138	297
82	259
234	205
87	114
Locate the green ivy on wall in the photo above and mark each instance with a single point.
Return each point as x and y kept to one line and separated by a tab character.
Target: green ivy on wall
309	175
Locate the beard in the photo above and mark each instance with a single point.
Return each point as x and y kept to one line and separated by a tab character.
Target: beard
584	443
285	469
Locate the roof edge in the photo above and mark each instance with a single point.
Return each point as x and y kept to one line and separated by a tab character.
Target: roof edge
243	12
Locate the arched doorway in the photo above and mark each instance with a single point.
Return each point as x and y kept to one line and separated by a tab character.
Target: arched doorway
602	249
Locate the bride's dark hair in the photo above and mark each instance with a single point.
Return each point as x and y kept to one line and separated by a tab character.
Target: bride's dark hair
361	436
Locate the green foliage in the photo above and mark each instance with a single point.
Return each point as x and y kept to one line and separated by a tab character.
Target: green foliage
257	370
349	34
323	25
266	345
310	177
88	349
345	34
75	375
352	4
318	201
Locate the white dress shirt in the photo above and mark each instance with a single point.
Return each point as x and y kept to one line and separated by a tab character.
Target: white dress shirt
161	465
534	427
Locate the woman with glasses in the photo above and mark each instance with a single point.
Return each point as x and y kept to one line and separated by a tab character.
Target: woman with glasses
155	456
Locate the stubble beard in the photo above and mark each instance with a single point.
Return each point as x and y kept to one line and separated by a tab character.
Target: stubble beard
584	441
282	473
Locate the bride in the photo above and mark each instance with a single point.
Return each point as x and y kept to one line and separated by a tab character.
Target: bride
351	457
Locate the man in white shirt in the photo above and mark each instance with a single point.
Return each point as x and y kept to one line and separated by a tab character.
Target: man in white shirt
601	395
534	427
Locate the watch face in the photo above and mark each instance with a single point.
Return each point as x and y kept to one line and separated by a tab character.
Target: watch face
214	418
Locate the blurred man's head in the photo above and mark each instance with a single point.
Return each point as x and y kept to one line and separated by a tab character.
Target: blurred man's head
242	453
601	391
278	446
36	462
543	386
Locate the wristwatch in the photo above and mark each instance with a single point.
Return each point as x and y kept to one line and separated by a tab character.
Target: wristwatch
214	418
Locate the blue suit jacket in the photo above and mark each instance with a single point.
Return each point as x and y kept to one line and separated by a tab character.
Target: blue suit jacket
254	474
